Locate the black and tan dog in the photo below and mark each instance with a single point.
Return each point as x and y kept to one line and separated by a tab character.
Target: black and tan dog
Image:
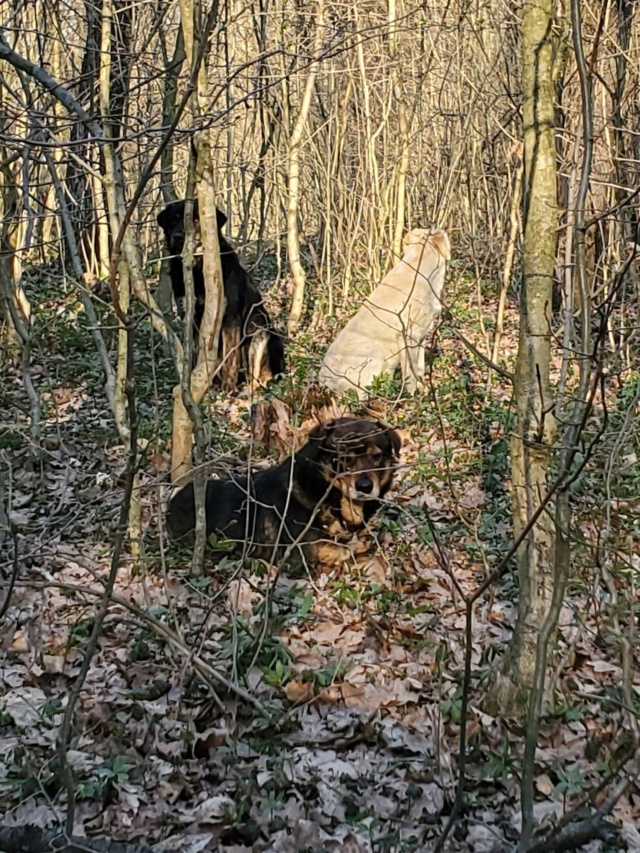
248	340
342	472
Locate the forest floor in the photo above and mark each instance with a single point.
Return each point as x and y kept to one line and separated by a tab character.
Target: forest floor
339	725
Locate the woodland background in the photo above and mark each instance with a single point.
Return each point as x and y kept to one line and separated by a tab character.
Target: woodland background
144	702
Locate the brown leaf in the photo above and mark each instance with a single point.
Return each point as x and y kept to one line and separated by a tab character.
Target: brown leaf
298	692
544	785
473	497
327	632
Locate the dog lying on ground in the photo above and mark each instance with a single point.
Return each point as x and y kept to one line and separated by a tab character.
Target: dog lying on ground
389	329
342	472
248	341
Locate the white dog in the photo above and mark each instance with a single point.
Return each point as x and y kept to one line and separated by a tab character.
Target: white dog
389	329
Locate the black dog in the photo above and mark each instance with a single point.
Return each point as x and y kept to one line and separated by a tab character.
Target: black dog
342	472
248	341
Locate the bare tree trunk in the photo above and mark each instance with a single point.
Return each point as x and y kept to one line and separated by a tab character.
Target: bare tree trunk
403	129
270	114
9	292
9	219
101	257
532	442
202	375
293	234
574	420
187	419
173	67
172	73
104	77
15	305
81	185
625	12
374	207
514	221
122	393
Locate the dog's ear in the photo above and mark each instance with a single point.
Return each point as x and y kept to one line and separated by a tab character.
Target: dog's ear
416	237
222	219
395	440
322	432
163	218
317	432
173	214
440	240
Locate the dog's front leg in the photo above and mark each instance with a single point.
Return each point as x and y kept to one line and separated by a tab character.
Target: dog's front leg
230	366
412	364
330	553
257	358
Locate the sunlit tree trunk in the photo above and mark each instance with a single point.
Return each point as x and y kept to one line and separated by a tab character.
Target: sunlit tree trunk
8	241
173	68
85	190
122	417
514	221
187	419
623	155
202	375
108	153
399	213
16	308
373	209
532	441
293	235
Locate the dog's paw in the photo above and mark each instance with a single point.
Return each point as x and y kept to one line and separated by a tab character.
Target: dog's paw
332	554
352	512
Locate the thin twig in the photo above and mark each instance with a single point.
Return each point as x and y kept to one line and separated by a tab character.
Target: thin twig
13	578
575	835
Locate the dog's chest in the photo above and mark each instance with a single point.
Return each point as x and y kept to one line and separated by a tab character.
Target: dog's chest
421	311
399	307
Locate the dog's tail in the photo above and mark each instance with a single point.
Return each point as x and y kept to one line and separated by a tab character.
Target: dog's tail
275	352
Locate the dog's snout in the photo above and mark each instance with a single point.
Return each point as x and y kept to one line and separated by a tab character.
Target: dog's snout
364	485
176	240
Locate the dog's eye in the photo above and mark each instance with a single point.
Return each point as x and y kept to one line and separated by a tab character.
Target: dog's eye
354	452
376	454
345	462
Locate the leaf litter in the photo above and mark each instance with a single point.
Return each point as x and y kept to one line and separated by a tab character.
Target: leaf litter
358	671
